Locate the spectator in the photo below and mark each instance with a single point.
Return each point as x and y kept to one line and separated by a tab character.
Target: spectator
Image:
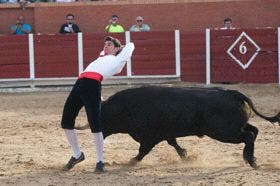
20	27
139	26
227	24
23	4
69	27
113	26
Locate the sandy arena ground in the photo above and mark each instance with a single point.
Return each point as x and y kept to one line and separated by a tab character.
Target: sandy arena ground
34	149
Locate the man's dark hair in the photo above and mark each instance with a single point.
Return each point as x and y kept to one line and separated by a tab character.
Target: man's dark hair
227	20
70	15
115	41
113	16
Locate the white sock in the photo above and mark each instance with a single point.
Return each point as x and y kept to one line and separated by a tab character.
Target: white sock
71	136
98	141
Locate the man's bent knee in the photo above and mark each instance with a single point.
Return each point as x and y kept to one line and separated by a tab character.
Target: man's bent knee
67	125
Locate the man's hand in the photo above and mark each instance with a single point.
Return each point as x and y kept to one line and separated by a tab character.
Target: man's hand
71	30
19	26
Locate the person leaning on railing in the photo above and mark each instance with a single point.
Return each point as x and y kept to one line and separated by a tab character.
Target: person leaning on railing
140	26
113	26
20	27
69	27
227	24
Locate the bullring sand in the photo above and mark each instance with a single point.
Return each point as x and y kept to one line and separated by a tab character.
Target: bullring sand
34	148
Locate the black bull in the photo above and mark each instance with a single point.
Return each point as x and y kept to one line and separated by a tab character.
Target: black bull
154	114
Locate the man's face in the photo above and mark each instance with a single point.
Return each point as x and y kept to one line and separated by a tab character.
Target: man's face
114	20
109	48
20	20
228	24
139	22
69	19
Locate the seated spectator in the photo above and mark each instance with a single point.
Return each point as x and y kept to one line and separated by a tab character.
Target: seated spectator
20	27
69	27
227	24
113	26
139	26
23	4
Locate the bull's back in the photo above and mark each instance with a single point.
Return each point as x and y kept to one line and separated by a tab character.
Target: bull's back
167	112
157	111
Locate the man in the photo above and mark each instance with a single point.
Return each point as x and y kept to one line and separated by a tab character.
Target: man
87	92
113	26
227	24
139	26
69	27
20	27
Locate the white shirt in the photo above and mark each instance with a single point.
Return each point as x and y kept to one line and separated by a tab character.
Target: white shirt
110	65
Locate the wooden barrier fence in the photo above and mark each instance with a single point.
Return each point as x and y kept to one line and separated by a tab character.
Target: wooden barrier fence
211	56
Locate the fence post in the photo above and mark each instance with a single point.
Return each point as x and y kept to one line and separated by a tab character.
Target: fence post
128	64
80	53
208	70
177	53
278	55
31	58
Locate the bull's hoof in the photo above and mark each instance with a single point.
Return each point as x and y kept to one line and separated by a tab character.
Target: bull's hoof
253	163
183	155
133	162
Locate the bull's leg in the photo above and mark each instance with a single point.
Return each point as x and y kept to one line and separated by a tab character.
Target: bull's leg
248	152
251	128
144	149
236	135
181	152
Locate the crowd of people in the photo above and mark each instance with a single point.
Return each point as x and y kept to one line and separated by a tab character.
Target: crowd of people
20	27
115	27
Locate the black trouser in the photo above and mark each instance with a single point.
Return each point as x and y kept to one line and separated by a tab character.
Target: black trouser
86	92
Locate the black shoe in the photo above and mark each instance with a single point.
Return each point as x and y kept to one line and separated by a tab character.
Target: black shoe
99	167
73	161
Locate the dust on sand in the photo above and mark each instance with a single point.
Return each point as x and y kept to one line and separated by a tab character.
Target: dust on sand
34	148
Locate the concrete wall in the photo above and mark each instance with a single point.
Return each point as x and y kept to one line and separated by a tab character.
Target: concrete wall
159	14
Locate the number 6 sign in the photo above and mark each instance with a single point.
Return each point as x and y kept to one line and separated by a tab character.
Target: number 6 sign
243	50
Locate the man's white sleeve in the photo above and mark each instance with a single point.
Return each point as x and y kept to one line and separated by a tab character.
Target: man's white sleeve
126	53
123	57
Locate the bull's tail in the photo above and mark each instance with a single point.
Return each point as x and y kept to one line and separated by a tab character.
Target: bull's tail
243	98
86	126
